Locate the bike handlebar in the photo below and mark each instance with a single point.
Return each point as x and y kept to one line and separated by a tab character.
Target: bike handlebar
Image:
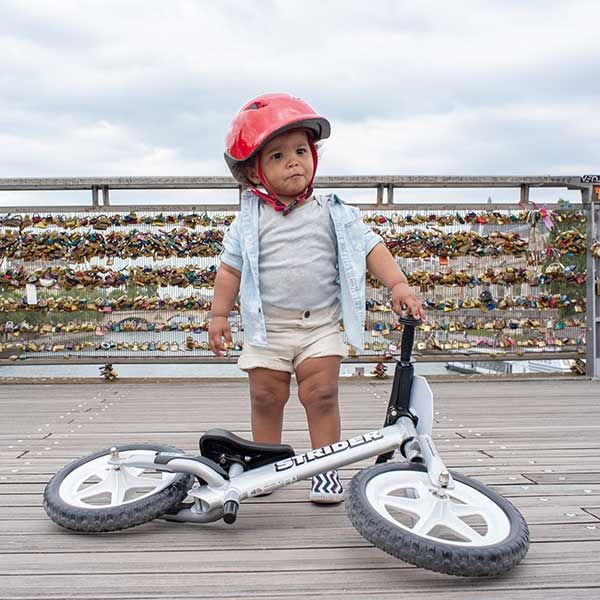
408	337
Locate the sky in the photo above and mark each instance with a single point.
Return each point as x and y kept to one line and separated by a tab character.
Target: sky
132	87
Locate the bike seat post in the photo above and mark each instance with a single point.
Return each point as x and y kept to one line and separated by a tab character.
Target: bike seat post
235	469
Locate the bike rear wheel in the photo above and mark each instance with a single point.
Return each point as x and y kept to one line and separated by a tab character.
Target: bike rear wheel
471	531
89	495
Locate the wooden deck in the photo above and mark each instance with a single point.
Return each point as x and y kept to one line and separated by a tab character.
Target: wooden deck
537	442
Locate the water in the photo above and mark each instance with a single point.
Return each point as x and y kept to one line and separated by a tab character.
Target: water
180	370
150	370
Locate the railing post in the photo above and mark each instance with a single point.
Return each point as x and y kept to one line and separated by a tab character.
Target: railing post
95	196
379	194
524	196
105	196
390	193
591	201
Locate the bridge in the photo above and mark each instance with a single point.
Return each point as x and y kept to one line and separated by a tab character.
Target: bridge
537	442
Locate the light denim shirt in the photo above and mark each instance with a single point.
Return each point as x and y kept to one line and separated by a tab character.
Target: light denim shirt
354	242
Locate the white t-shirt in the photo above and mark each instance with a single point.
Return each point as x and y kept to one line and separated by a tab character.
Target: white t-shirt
297	260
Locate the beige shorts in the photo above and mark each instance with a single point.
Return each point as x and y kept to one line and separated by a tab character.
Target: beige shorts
294	335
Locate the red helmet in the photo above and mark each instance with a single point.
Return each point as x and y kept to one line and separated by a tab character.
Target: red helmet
263	118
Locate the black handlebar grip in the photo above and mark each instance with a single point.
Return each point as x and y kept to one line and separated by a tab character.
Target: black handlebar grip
408	337
230	510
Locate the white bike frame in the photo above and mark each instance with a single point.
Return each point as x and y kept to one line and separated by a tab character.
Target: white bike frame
210	497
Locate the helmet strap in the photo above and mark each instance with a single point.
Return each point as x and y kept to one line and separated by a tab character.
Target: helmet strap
271	198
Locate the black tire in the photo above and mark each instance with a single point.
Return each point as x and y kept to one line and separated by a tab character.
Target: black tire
451	559
121	516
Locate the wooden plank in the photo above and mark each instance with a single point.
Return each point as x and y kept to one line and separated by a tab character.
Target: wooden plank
588	478
44	466
569	499
275	531
449	594
544	458
225	561
371	581
534	510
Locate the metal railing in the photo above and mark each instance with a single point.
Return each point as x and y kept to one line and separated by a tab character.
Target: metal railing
385	203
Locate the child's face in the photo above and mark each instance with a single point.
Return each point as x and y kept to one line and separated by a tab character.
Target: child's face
287	164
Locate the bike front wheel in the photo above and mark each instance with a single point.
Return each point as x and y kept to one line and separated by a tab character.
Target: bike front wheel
469	530
90	495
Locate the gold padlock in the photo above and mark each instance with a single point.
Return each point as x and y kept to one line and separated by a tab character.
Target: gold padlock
597	286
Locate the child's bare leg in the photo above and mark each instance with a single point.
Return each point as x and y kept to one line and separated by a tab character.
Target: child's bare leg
269	392
318	392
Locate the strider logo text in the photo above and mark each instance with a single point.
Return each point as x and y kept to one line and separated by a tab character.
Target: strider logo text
307	457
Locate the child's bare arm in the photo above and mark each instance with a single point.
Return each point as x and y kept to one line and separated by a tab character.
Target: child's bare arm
227	286
382	265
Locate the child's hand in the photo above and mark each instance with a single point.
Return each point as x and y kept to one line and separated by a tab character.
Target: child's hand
219	330
404	297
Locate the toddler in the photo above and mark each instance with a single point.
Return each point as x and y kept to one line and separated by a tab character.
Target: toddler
298	262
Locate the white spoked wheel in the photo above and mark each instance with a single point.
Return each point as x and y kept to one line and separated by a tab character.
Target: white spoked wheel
462	516
468	530
97	484
90	494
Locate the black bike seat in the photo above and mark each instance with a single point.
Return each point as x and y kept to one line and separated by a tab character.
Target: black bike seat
217	443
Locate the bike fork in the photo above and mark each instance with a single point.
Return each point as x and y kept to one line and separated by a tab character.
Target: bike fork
422	449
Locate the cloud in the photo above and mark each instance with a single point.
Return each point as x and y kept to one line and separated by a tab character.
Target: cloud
509	139
131	87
